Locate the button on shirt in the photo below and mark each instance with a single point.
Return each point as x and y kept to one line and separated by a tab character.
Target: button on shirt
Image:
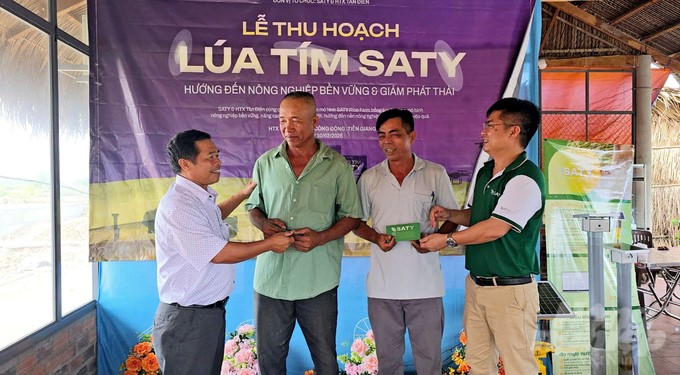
189	233
404	273
324	192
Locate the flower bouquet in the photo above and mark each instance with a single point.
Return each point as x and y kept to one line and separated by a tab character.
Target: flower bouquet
362	359
240	354
142	359
458	364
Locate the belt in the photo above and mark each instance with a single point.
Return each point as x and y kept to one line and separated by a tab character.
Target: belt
501	281
217	305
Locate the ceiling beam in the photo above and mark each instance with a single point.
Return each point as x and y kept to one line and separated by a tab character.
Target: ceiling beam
660	32
563	51
633	12
615	33
549	29
621	61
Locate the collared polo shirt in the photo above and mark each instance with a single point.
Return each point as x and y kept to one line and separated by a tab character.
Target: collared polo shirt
324	192
404	273
189	233
516	195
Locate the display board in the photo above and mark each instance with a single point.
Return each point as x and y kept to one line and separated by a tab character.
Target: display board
160	67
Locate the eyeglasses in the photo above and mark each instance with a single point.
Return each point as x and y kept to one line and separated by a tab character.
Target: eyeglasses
486	125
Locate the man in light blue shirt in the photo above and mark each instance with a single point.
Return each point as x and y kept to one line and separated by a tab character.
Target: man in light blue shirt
304	186
195	259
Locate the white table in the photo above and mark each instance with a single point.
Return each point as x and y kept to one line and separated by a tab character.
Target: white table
668	262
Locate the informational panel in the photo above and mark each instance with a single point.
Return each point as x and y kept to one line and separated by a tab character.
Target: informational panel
587	178
160	67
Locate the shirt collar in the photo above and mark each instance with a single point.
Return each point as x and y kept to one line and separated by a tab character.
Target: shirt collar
418	164
323	152
195	189
521	158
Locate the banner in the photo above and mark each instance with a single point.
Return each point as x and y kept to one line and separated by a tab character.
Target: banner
587	178
160	67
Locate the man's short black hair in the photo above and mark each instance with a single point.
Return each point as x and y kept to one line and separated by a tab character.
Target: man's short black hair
518	112
183	146
299	95
404	114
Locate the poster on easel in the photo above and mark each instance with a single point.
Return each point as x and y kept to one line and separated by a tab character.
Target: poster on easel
587	178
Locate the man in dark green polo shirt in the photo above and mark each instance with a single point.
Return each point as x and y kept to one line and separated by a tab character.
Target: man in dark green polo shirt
504	218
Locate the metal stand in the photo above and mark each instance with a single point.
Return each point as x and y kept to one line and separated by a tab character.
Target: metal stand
595	225
625	255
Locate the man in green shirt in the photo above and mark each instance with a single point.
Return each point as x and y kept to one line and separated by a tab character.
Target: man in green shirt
501	296
305	186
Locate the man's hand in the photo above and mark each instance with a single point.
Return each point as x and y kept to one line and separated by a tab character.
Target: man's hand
386	242
281	241
419	248
306	239
248	189
433	242
272	226
438	213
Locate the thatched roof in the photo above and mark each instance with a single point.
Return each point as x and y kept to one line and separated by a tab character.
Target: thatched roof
665	171
24	70
609	32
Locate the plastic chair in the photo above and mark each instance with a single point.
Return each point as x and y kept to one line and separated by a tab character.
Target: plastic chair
644	274
642	236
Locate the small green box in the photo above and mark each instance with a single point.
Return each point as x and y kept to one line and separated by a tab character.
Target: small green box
404	232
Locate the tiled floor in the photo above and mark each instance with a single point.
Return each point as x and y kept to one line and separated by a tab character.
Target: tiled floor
664	337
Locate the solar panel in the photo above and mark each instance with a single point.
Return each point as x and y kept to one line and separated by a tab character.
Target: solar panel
552	305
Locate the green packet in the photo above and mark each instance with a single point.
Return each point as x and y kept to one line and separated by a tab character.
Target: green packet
404	232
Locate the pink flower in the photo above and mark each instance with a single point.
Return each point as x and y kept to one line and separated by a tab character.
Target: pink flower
352	369
246	328
371	364
359	347
226	368
369	335
230	347
244	356
246	371
245	345
239	352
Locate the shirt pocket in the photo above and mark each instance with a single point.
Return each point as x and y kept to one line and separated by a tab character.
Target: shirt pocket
322	199
423	202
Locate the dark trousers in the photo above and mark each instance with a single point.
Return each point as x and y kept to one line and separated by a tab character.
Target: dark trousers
275	320
189	341
424	319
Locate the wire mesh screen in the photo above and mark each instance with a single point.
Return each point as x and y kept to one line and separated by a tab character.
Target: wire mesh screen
616	128
564	126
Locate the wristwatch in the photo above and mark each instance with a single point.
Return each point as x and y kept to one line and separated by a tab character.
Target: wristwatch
450	242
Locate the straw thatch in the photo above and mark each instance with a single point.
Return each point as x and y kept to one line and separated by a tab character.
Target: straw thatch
25	73
665	171
582	33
